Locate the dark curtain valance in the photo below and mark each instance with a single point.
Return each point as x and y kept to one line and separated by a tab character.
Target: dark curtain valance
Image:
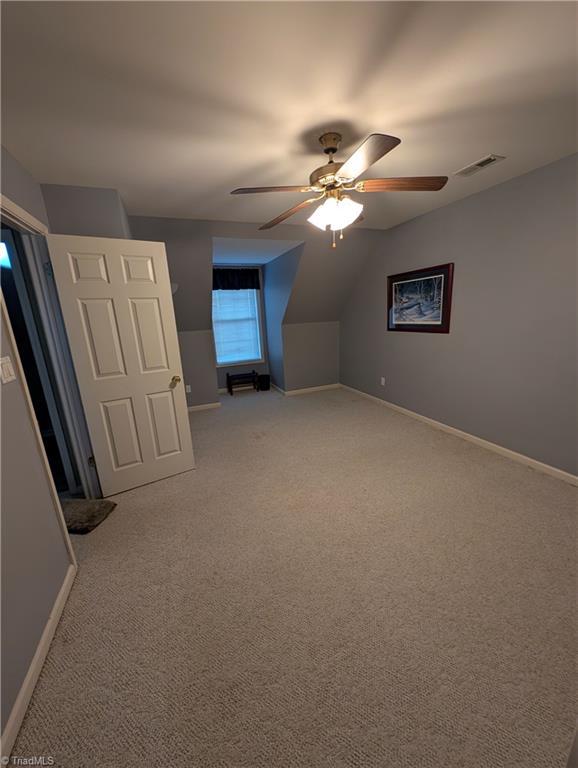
225	279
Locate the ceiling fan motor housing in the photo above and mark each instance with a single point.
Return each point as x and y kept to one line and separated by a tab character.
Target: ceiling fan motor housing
325	175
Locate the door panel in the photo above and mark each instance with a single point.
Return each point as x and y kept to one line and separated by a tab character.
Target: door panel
138	269
164	423
149	334
88	266
102	337
121	432
117	307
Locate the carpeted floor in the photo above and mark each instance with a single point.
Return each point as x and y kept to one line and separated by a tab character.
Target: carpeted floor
336	586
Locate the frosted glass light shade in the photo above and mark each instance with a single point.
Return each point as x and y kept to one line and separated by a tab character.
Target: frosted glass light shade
346	213
323	215
336	214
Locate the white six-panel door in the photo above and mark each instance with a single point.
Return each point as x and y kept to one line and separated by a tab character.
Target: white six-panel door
118	311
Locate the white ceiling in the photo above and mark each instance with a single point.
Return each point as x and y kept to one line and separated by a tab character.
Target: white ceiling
175	104
235	250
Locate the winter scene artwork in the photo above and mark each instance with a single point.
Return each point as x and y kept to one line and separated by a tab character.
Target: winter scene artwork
418	301
421	300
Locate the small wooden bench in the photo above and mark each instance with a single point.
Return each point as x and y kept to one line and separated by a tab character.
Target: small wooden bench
242	380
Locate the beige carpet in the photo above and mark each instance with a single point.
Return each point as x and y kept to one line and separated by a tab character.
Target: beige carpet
335	586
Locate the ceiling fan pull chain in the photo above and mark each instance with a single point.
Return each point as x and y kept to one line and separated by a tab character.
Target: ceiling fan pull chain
333	243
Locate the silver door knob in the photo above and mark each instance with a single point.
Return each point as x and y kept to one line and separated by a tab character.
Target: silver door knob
174	381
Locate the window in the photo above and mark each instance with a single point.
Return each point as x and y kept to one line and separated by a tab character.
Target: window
236	326
4	257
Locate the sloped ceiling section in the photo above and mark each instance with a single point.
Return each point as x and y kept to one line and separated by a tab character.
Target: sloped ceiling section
326	274
235	251
322	282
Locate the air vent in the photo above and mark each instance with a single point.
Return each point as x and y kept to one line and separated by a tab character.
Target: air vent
479	165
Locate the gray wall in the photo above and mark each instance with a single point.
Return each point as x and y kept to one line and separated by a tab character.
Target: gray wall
189	247
67	210
326	275
197	347
507	370
20	187
311	353
321	279
90	211
34	555
278	279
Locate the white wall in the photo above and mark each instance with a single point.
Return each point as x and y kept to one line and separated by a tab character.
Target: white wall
313	284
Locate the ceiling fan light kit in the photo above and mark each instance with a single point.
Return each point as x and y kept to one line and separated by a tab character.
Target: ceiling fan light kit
337	213
331	183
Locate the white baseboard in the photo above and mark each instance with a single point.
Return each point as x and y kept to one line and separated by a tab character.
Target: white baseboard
203	407
539	466
23	699
307	390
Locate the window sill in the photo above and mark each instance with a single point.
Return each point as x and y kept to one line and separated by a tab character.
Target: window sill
243	362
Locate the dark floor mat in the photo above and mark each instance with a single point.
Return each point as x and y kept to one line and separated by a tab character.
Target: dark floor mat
83	515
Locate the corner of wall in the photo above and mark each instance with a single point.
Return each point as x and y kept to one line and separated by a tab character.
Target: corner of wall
278	279
19	186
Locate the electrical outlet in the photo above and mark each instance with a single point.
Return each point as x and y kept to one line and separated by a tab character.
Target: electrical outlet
188	389
382	381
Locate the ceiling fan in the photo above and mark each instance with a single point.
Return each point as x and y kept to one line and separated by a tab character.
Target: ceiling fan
332	182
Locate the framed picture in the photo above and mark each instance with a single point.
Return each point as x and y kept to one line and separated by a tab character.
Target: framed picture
420	300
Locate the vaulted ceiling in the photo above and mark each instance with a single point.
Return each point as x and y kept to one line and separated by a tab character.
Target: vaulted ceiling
175	104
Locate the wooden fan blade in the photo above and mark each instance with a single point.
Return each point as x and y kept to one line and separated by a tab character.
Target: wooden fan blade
407	184
253	190
375	146
290	212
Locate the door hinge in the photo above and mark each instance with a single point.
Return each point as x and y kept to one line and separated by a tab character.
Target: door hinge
48	268
91	461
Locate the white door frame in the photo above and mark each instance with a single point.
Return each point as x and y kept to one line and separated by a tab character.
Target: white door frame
32	327
48	306
62	368
20	218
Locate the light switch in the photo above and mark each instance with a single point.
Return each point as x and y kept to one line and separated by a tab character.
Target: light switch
6	370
